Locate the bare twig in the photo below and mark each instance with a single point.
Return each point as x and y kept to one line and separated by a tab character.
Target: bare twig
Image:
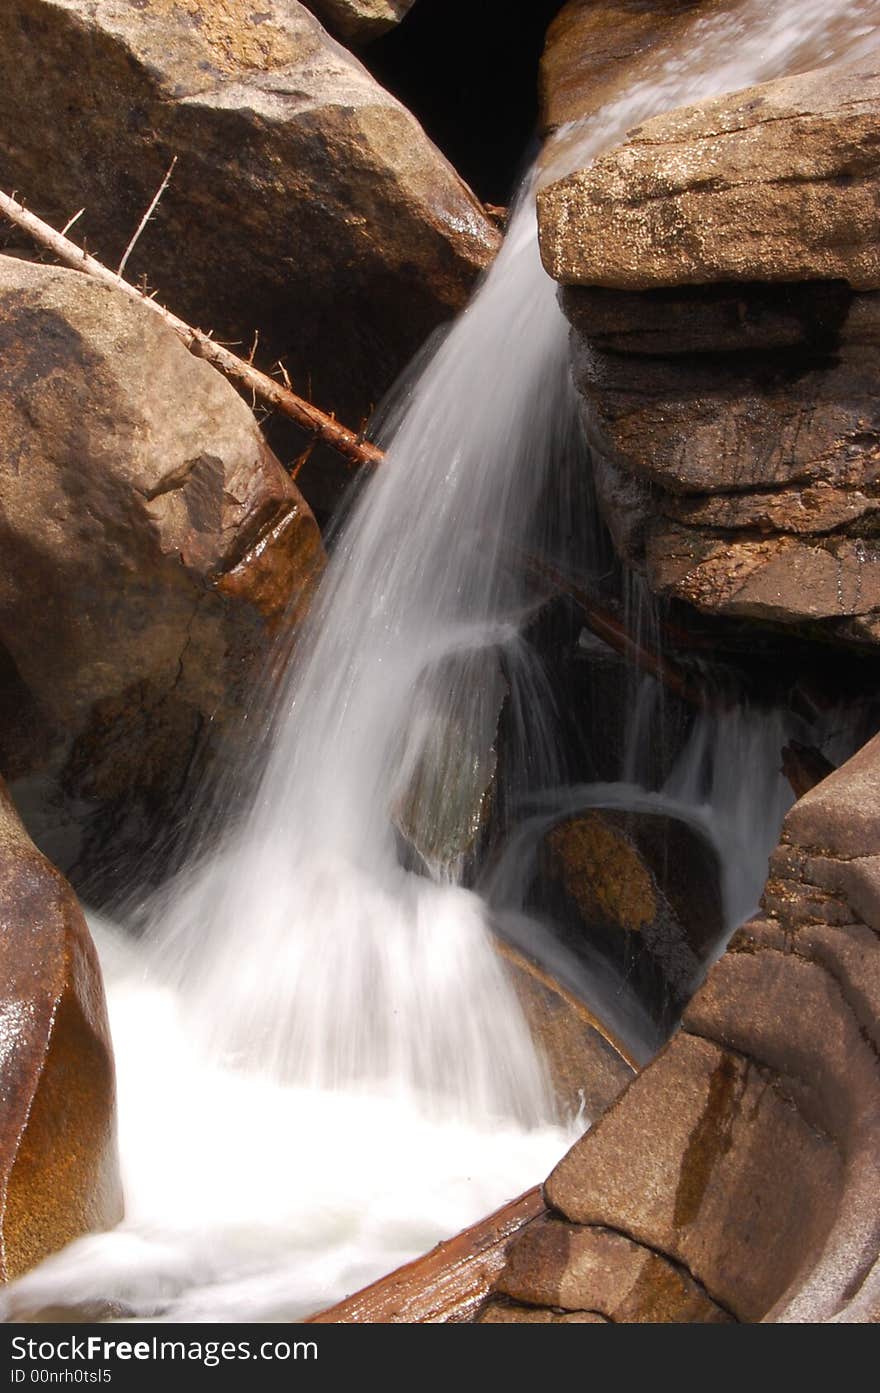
146	218
244	375
69	224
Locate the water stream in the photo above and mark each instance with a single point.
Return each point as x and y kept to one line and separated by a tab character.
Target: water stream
322	1066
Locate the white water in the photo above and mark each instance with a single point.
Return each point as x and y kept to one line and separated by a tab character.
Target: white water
322	1068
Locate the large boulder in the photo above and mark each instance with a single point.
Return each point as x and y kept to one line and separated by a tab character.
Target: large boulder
59	1174
150	547
306	202
747	1154
729	381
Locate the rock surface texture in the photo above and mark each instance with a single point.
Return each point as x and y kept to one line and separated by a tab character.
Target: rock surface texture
150	545
736	1178
730	380
306	202
358	21
58	1164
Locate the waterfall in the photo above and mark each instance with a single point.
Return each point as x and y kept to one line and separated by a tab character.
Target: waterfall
322	1065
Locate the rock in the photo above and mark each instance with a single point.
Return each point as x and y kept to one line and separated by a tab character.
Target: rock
59	1174
150	546
598	49
573	1268
587	1066
747	1152
793	165
358	21
508	1313
643	890
306	201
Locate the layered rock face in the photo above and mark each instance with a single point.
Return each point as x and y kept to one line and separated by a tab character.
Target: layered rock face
150	546
721	270
59	1173
306	202
736	1178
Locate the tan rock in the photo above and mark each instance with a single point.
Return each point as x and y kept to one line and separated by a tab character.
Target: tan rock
59	1173
358	21
791	164
150	543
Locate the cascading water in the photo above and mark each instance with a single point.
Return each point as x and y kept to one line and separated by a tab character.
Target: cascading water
322	1066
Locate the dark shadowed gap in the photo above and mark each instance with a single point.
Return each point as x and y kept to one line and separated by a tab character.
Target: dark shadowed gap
468	69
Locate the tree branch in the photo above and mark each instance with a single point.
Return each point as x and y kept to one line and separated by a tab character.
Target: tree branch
245	375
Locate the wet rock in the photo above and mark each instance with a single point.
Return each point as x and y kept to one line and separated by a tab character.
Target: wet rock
59	1172
306	201
598	49
794	167
150	547
587	1067
574	1268
641	888
358	21
747	1152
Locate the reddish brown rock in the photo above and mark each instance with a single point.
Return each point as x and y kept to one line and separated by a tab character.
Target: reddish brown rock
359	21
59	1172
509	1313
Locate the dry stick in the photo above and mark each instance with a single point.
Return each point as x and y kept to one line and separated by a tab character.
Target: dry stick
146	218
325	428
244	375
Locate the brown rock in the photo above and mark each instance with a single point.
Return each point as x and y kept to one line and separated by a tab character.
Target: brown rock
577	1269
358	21
707	1158
509	1313
598	48
59	1172
150	543
587	1067
794	167
641	889
306	201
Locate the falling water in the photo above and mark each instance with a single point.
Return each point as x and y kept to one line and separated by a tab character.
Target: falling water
322	1066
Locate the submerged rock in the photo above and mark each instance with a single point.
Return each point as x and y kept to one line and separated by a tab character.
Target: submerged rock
747	1152
641	889
150	547
59	1174
306	202
587	1067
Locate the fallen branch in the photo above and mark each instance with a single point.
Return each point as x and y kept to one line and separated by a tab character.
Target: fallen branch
447	1285
323	427
609	629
